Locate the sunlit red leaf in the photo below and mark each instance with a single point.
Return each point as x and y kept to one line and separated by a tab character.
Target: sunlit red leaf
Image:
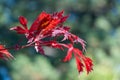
81	60
53	44
69	55
19	30
4	54
87	61
40	22
78	52
88	64
51	26
79	64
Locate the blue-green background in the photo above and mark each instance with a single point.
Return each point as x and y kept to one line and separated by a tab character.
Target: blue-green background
95	21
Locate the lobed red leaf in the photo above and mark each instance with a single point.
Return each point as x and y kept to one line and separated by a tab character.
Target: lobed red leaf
40	22
23	21
69	55
4	54
88	64
49	27
19	30
79	64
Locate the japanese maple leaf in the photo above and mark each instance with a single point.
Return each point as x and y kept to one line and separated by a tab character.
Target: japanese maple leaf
4	54
45	30
81	60
23	29
41	28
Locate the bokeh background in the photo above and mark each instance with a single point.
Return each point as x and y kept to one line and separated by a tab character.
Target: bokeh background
95	21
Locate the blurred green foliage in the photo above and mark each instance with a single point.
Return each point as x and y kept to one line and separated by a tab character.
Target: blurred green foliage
96	21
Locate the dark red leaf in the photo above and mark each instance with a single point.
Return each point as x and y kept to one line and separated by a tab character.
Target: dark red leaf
60	14
23	21
63	19
79	64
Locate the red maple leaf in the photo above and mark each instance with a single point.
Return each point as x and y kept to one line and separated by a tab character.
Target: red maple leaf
23	29
4	54
81	60
44	32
